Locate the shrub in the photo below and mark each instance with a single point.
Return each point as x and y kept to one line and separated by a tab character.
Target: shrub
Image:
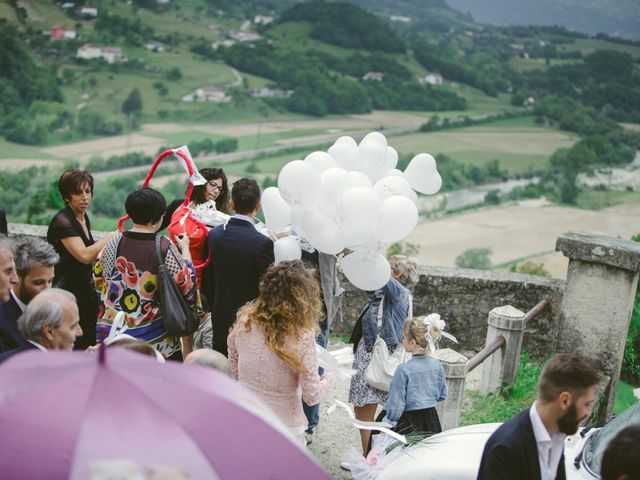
477	258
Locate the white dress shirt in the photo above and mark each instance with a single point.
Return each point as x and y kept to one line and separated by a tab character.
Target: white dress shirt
550	446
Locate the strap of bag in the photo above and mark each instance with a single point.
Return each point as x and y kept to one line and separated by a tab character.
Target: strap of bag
158	251
380	312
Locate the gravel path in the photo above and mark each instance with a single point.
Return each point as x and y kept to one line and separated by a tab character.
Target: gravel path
334	439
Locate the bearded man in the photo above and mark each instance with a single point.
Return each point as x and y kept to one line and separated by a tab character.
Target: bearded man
530	446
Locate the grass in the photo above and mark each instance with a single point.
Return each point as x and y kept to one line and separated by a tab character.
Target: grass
590	199
516	143
624	397
511	400
589	45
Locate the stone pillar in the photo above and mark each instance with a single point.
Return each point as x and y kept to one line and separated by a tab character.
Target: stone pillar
502	366
455	369
598	301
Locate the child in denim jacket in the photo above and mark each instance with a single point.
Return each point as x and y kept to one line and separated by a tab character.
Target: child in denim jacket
420	383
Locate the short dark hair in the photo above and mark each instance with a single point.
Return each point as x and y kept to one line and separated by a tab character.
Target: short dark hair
622	455
245	195
71	180
565	372
145	205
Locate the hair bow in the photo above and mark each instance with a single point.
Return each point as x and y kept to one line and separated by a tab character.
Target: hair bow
434	320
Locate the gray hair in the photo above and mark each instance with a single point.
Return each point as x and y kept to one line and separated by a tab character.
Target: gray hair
6	244
407	268
208	358
41	312
34	252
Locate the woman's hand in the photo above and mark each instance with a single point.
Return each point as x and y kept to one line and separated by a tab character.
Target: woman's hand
182	242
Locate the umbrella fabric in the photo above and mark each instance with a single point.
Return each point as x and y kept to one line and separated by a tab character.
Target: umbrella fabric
68	415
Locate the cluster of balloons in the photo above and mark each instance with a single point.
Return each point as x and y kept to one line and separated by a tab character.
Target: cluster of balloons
350	197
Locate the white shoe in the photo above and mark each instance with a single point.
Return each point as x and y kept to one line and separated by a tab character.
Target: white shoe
345	466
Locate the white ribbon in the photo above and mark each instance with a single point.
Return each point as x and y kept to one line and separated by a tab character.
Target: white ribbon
362	425
196	178
333	362
434	320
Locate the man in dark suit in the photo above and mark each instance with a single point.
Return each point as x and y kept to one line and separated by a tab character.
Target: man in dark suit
35	260
239	257
50	322
530	446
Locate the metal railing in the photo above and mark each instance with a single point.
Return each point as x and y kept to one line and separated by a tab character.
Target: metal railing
499	341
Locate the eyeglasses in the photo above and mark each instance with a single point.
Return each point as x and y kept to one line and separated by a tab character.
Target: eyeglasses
215	186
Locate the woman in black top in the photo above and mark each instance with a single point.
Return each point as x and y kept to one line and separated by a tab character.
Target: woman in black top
70	234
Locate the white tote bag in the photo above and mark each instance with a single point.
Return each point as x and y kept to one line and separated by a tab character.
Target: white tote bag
383	364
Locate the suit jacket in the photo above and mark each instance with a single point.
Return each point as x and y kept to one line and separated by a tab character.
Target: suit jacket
10	337
25	347
239	257
512	453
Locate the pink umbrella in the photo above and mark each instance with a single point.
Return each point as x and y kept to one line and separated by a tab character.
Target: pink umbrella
71	415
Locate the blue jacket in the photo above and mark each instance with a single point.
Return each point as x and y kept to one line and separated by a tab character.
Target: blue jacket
419	383
394	312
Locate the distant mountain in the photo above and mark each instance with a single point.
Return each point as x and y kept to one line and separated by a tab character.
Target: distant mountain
614	17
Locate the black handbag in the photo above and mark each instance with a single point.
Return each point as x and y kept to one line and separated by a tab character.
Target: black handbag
178	319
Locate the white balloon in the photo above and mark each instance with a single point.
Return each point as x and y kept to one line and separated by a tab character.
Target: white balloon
366	269
373	157
393	172
334	182
346	154
297	214
321	161
286	248
277	212
346	140
359	179
358	215
322	233
393	185
398	217
375	137
423	175
299	184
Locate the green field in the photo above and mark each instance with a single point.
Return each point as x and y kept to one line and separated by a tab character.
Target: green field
624	397
517	143
591	199
589	45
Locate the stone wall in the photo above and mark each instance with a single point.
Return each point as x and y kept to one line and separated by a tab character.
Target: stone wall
464	298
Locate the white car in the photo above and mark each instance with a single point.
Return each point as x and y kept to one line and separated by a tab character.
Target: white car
455	454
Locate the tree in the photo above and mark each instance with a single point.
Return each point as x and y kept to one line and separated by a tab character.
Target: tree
477	258
133	103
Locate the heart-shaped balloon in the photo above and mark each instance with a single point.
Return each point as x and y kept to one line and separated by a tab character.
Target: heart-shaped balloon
398	218
423	175
366	269
299	184
321	161
277	212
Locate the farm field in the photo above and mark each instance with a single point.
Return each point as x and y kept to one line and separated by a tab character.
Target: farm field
525	230
519	145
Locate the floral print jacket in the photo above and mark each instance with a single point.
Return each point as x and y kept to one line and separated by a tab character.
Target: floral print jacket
121	285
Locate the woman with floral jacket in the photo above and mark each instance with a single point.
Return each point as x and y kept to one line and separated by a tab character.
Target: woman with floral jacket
126	276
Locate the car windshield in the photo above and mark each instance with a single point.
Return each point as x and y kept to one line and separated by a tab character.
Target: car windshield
597	443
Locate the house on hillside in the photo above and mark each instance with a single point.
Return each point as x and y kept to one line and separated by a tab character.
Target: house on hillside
262	19
431	79
58	32
244	36
269	92
207	94
91	12
223	43
399	18
373	76
154	46
529	102
109	54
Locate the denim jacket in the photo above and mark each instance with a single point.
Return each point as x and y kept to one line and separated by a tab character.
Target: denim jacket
394	312
419	383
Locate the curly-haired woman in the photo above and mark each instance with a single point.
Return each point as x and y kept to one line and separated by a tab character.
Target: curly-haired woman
272	346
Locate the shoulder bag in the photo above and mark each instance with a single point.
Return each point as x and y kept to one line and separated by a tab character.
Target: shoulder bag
383	364
178	319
